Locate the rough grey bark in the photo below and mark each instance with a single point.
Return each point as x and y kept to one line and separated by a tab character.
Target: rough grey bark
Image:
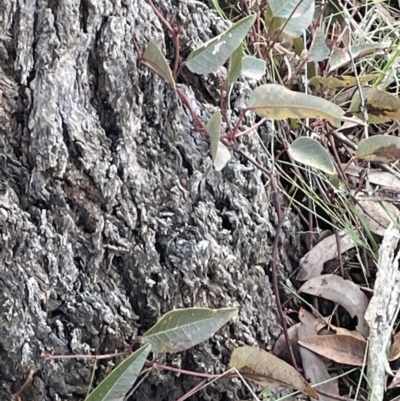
110	211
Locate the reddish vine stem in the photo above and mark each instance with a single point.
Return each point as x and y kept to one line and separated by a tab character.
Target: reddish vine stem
278	207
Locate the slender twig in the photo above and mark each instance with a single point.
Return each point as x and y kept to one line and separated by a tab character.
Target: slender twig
27	382
82	356
245	132
274	253
155	365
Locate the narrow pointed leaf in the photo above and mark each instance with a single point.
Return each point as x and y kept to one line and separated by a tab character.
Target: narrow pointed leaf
117	384
253	67
319	51
276	102
314	367
379	148
181	329
157	60
235	66
219	152
268	370
311	153
340	348
213	54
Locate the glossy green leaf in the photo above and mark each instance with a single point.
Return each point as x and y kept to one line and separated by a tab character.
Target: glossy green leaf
214	53
276	102
235	66
319	51
300	12
181	329
157	60
117	384
253	67
379	148
311	153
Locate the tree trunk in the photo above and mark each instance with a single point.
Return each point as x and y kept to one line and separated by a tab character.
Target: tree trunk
110	211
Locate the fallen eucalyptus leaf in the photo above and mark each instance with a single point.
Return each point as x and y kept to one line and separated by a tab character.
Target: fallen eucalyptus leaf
377	215
394	350
340	81
266	369
314	367
340	348
381	106
379	148
341	57
344	292
312	263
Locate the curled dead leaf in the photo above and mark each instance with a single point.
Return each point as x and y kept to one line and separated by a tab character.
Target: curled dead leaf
266	369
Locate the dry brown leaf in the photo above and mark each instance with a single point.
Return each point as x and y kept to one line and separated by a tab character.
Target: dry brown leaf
341	57
394	350
381	106
377	215
340	81
266	369
379	148
345	332
281	349
313	365
312	263
344	292
378	177
340	348
395	383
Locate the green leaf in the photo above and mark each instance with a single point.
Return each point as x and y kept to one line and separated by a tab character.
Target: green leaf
379	148
235	66
213	54
253	67
219	152
319	51
284	8
276	102
311	153
182	329
115	386
300	12
157	60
